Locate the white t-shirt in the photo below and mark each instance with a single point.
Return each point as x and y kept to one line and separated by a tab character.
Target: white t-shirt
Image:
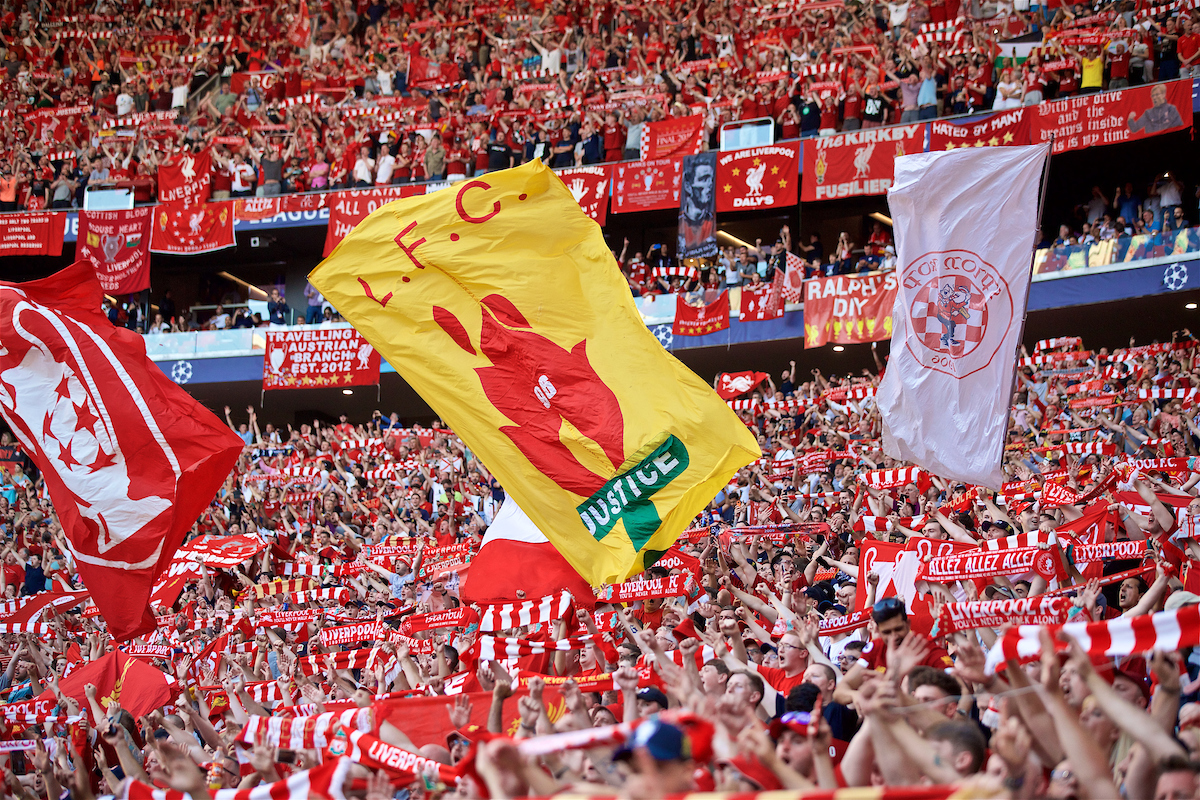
124	104
179	96
364	168
242	178
898	12
386	164
386	81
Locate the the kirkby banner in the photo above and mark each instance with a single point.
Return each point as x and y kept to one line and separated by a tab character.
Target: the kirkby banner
758	177
856	163
962	293
547	372
1002	129
1092	120
315	357
848	309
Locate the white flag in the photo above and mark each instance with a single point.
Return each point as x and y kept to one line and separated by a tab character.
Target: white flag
965	222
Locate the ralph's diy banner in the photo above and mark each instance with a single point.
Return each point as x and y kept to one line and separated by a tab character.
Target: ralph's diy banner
547	371
849	309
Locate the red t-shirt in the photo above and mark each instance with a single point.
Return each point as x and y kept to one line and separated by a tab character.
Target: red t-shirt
778	678
874	656
1118	65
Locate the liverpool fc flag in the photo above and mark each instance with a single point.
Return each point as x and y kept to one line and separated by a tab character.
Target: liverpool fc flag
130	459
963	286
499	302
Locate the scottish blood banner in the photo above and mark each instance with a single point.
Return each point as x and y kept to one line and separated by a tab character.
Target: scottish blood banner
848	309
117	243
758	177
1113	117
317	357
857	163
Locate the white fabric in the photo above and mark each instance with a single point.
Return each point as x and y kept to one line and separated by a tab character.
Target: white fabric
965	222
513	524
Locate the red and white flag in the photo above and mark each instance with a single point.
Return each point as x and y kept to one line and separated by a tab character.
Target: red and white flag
300	31
129	458
793	280
514	539
963	290
190	230
186	179
117	245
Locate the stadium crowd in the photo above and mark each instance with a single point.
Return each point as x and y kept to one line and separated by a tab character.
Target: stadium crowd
775	647
339	95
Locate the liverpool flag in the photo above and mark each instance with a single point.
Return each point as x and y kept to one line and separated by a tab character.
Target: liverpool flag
500	303
130	459
959	306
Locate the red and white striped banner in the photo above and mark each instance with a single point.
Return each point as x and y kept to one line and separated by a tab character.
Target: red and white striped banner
892	478
302	733
525	612
366	658
494	648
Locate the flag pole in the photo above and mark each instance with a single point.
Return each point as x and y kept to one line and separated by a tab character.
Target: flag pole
1025	309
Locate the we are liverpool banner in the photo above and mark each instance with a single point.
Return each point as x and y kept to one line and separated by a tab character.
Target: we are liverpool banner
547	372
758	177
848	309
672	137
856	163
1091	120
316	357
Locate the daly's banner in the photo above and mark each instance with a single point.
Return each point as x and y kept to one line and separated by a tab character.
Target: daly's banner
1077	123
856	163
758	177
317	357
848	309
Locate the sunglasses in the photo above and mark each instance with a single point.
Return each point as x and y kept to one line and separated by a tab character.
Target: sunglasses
888	605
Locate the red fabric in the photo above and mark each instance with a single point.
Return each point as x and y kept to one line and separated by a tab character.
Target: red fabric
117	245
734	384
700	320
186	179
188	230
129	458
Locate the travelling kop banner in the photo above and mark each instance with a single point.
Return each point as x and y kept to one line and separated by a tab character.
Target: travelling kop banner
1113	117
758	177
848	309
39	234
857	163
318	357
589	187
647	185
347	209
998	130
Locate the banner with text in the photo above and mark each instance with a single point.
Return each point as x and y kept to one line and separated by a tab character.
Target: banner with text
118	245
698	207
700	320
1113	117
758	177
188	230
348	208
1005	128
680	136
647	185
848	309
39	234
589	187
317	357
857	163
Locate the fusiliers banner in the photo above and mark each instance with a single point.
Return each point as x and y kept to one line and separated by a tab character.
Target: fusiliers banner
848	309
758	177
857	163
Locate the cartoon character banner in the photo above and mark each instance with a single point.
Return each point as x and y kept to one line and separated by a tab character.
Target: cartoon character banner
857	163
758	177
609	444
319	357
1090	120
698	208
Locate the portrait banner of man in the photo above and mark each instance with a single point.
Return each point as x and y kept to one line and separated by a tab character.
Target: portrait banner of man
698	207
1137	112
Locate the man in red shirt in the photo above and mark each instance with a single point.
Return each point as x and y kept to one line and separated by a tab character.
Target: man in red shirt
1118	67
1189	52
894	628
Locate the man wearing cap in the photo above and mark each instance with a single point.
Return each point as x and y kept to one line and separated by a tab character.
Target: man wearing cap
895	632
650	701
659	758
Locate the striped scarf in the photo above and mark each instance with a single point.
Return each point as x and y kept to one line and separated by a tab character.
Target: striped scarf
326	780
528	612
494	648
302	733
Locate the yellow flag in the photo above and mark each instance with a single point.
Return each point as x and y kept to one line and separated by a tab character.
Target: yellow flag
499	302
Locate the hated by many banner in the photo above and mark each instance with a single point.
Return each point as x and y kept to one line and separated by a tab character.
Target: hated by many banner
856	163
679	136
848	309
701	320
33	234
117	244
1090	120
998	130
758	177
647	185
319	357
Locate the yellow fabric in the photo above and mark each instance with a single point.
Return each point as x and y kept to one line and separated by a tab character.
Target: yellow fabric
499	302
1093	72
